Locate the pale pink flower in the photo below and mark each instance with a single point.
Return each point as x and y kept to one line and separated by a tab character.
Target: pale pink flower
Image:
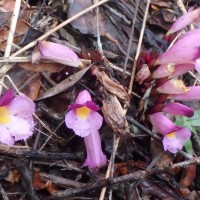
56	52
16	121
85	121
174	137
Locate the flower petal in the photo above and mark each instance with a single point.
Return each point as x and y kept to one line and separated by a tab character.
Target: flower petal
162	124
91	105
193	94
81	127
95	157
83	97
5	136
183	134
181	69
172	145
178	109
197	64
164	70
22	106
59	53
175	143
95	120
7	97
173	86
70	117
184	20
20	128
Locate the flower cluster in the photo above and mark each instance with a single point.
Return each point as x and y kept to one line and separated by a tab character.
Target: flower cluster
85	121
180	58
16	121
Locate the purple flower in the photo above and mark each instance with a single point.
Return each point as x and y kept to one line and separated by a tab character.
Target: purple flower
16	121
85	121
174	136
56	52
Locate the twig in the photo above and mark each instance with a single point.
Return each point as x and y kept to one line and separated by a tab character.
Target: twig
3	193
13	25
138	175
131	37
64	182
138	48
5	69
109	172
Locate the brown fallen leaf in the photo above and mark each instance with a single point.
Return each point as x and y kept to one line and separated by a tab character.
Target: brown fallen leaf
114	114
110	85
39	183
65	84
13	176
123	168
21	28
33	89
41	67
189	174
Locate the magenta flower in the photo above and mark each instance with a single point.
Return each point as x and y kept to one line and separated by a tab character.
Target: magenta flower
174	136
193	94
85	121
184	51
16	121
178	109
56	52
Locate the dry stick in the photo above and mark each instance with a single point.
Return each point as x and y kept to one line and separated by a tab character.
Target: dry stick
3	193
138	48
131	37
138	175
12	28
110	165
4	69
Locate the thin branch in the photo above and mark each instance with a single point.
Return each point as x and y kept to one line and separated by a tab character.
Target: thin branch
138	48
13	25
131	37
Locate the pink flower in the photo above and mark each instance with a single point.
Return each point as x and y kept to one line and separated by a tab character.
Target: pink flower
85	121
16	121
56	52
185	20
184	51
178	109
173	86
174	136
193	94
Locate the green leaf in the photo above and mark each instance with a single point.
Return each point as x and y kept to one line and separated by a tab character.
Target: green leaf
188	147
195	120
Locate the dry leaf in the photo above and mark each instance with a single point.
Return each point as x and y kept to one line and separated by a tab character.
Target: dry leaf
39	183
13	176
65	84
41	67
114	114
110	85
87	23
33	89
